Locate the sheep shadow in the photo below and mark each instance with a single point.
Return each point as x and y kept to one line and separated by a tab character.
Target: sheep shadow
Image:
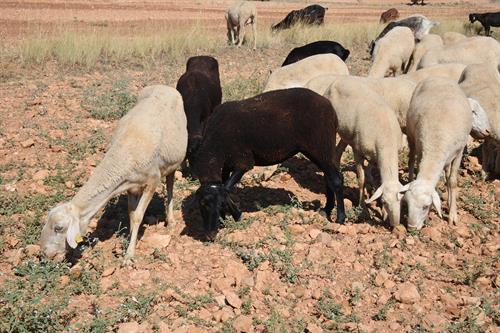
115	221
248	199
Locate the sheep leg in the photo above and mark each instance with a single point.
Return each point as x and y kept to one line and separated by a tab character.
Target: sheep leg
230	30
241	35
487	30
234	178
170	202
136	216
451	182
334	191
360	171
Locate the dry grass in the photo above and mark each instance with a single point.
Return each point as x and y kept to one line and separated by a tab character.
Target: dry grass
90	47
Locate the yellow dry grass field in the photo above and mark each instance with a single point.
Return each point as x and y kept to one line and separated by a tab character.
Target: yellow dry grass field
70	69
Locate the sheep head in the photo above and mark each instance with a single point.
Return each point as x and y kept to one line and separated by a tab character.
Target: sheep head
215	203
62	227
391	193
419	197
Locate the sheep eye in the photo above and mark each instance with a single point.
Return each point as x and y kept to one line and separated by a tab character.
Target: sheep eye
58	229
425	207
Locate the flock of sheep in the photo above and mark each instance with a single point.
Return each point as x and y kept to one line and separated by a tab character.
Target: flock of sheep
450	90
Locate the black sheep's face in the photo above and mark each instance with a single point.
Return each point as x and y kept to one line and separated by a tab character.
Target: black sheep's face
472	18
215	203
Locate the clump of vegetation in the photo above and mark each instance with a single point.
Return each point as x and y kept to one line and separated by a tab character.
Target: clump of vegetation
108	104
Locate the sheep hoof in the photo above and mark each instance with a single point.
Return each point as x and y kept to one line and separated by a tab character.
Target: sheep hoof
323	214
128	261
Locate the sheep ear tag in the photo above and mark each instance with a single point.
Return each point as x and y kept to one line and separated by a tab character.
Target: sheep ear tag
73	236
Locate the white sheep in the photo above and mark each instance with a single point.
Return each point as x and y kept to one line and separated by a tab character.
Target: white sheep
451	70
426	43
358	108
297	74
482	82
392	52
439	122
149	143
452	37
473	50
237	17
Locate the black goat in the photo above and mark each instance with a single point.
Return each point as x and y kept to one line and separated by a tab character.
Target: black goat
201	93
265	130
488	20
319	47
313	14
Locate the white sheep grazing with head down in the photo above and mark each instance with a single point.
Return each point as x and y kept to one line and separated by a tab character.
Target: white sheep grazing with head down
425	44
296	75
358	108
438	125
392	52
473	50
149	143
451	70
238	16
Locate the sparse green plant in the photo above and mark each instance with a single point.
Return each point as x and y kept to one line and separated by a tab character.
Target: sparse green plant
381	315
108	104
383	259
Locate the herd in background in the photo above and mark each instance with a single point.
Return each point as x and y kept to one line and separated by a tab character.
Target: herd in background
448	89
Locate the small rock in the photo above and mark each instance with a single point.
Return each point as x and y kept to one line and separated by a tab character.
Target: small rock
139	277
324	238
243	324
356	285
399	230
32	250
468	300
156	241
474	163
434	322
221	300
463	231
130	327
221	284
69	185
27	143
75	271
483	281
432	233
410	241
407	293
232	299
395	326
347	204
313	233
40	175
313	328
296	229
316	294
236	271
108	271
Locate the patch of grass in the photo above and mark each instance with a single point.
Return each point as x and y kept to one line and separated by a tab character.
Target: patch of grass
230	224
108	104
282	262
381	315
242	88
383	259
329	309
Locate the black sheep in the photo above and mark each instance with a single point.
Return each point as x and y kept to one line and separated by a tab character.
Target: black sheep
313	14
488	20
201	93
265	130
319	47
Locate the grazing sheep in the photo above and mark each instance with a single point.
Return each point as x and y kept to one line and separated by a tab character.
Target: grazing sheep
201	93
358	109
264	130
392	52
297	74
389	15
451	70
474	50
426	43
482	82
149	143
439	122
396	91
319	47
310	15
238	16
418	24
487	20
452	37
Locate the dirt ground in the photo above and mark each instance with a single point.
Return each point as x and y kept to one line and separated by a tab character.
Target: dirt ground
283	268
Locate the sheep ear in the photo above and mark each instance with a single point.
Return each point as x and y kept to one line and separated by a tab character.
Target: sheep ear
73	236
402	190
376	195
436	202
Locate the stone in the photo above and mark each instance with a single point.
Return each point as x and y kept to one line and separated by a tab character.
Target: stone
432	233
64	280
468	300
243	324
356	285
313	233
75	271
483	281
236	271
324	238
27	143
139	277
463	231
32	250
434	322
232	299
156	241
296	229
221	284
108	271
407	293
221	300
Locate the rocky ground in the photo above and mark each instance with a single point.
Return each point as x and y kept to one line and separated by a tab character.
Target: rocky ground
283	268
